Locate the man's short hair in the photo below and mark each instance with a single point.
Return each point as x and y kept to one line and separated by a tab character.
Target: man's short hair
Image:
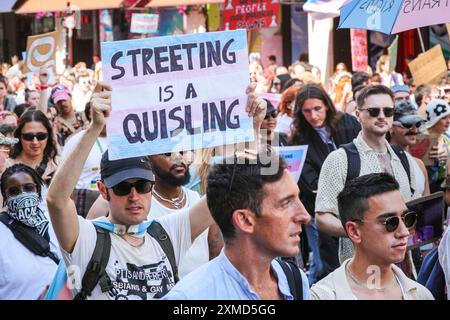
353	200
28	93
373	90
359	78
422	91
238	183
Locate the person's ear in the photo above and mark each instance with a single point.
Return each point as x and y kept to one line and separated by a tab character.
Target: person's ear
244	221
358	114
353	231
103	190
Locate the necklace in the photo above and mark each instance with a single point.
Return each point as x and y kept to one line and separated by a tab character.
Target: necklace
176	202
364	285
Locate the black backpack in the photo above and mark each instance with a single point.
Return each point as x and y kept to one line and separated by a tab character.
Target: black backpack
28	236
96	268
293	276
354	161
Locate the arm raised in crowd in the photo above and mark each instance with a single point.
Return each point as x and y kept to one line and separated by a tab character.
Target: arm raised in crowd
43	97
62	209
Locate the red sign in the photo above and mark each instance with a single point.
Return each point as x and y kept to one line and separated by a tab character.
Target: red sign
359	49
250	14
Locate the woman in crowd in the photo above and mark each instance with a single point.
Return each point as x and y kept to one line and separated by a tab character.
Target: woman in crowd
268	133
318	125
286	110
37	145
388	78
6	102
25	273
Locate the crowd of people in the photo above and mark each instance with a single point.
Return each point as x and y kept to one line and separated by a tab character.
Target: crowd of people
214	223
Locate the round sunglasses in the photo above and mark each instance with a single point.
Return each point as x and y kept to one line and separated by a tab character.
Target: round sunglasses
391	223
124	188
30	136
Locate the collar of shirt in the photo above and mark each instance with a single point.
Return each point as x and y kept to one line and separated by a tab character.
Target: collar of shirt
283	285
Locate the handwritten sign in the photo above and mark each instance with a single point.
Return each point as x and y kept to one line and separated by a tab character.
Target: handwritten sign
359	49
41	52
177	93
250	14
429	67
295	159
144	23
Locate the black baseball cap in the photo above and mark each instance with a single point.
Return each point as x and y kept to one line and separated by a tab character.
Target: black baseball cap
113	172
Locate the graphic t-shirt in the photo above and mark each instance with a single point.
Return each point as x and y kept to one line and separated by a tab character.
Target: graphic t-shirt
137	273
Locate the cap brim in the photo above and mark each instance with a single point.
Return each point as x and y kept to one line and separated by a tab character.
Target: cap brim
135	173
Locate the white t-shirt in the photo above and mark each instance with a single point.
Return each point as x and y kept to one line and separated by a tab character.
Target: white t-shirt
91	170
198	253
24	275
137	273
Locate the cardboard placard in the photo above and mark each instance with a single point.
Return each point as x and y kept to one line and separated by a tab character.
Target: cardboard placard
41	52
429	67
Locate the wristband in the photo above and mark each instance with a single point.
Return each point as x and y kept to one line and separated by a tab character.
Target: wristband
43	87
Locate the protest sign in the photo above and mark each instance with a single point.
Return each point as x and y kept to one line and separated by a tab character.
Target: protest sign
177	93
359	49
295	159
250	14
393	54
41	52
429	67
144	23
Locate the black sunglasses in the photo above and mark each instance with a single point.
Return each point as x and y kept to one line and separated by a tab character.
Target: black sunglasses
272	114
141	186
417	124
30	136
391	223
375	112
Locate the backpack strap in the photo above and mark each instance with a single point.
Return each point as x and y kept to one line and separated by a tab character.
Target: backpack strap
405	163
157	231
353	161
96	269
293	277
29	238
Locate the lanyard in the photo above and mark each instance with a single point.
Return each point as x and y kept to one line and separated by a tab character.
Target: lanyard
99	145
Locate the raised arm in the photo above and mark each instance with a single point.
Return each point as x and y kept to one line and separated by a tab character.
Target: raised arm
61	208
43	96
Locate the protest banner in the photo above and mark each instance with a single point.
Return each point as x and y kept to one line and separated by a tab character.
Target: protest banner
250	14
295	158
177	93
429	67
144	23
41	52
359	49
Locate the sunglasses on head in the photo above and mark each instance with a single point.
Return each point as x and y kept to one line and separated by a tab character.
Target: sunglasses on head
391	223
272	114
375	112
30	136
417	124
141	186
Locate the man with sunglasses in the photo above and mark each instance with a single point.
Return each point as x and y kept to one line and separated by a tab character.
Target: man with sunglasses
268	134
377	221
138	267
375	113
406	126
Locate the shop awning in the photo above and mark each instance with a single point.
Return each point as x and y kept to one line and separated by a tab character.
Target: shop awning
33	6
6	5
177	3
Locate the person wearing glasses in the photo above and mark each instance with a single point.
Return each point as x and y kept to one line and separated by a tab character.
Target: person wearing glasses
375	113
377	221
36	146
318	125
138	268
24	274
406	126
268	134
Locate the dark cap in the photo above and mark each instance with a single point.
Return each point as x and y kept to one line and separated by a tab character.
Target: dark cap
406	112
270	107
115	171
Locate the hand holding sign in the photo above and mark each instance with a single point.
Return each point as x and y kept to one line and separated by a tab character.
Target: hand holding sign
101	105
43	76
256	107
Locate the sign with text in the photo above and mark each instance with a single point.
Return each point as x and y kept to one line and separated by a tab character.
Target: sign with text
144	23
294	156
429	67
177	93
250	14
41	52
359	49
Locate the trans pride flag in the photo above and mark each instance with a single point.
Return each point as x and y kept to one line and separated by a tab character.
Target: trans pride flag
322	9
